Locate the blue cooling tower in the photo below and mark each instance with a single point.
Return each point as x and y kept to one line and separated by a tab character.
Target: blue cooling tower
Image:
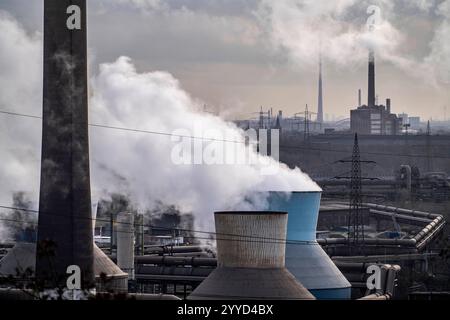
307	261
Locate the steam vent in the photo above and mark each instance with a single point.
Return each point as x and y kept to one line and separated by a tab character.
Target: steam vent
65	235
306	259
250	260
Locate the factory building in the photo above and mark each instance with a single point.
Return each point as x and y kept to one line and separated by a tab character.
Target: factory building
374	119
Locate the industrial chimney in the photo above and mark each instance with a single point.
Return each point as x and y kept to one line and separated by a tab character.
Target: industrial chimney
65	227
371	92
250	260
320	100
388	105
359	98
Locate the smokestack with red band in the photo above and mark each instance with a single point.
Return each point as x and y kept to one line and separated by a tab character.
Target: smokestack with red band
65	227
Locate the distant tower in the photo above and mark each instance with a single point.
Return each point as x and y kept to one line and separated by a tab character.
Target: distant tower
371	91
261	119
65	235
359	98
320	102
428	144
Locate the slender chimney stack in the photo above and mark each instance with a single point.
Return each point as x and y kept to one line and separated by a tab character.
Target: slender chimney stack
251	260
371	92
359	98
65	228
388	105
320	100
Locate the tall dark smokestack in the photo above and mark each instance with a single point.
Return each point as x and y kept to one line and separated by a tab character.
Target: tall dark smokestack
388	105
371	92
359	98
65	227
320	100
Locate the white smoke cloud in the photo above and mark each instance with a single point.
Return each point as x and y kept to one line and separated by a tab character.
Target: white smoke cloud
439	56
154	101
147	5
20	91
137	164
303	29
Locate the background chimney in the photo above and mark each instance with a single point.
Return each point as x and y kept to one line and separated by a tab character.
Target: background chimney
359	98
371	91
320	99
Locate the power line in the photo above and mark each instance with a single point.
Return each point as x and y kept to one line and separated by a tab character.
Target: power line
309	148
296	242
147	225
250	238
137	130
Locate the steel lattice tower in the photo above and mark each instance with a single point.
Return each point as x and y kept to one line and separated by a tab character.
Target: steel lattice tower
355	218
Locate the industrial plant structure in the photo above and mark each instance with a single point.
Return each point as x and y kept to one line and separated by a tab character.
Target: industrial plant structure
298	249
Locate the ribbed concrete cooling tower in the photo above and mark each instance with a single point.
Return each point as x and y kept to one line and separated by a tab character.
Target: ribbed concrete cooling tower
250	260
306	260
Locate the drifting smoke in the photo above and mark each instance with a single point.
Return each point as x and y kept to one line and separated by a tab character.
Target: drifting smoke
139	165
439	57
338	30
20	91
306	28
154	101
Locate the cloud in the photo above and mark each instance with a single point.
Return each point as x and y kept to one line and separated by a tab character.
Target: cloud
138	164
154	101
439	56
302	29
147	5
20	91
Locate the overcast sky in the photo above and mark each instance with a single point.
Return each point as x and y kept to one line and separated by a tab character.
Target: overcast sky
237	55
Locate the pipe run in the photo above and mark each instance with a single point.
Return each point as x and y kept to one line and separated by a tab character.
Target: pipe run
173	249
419	241
413	213
371	242
176	261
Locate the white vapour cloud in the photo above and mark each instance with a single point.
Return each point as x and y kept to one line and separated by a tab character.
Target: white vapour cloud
137	164
338	29
305	28
154	101
140	4
439	56
20	91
